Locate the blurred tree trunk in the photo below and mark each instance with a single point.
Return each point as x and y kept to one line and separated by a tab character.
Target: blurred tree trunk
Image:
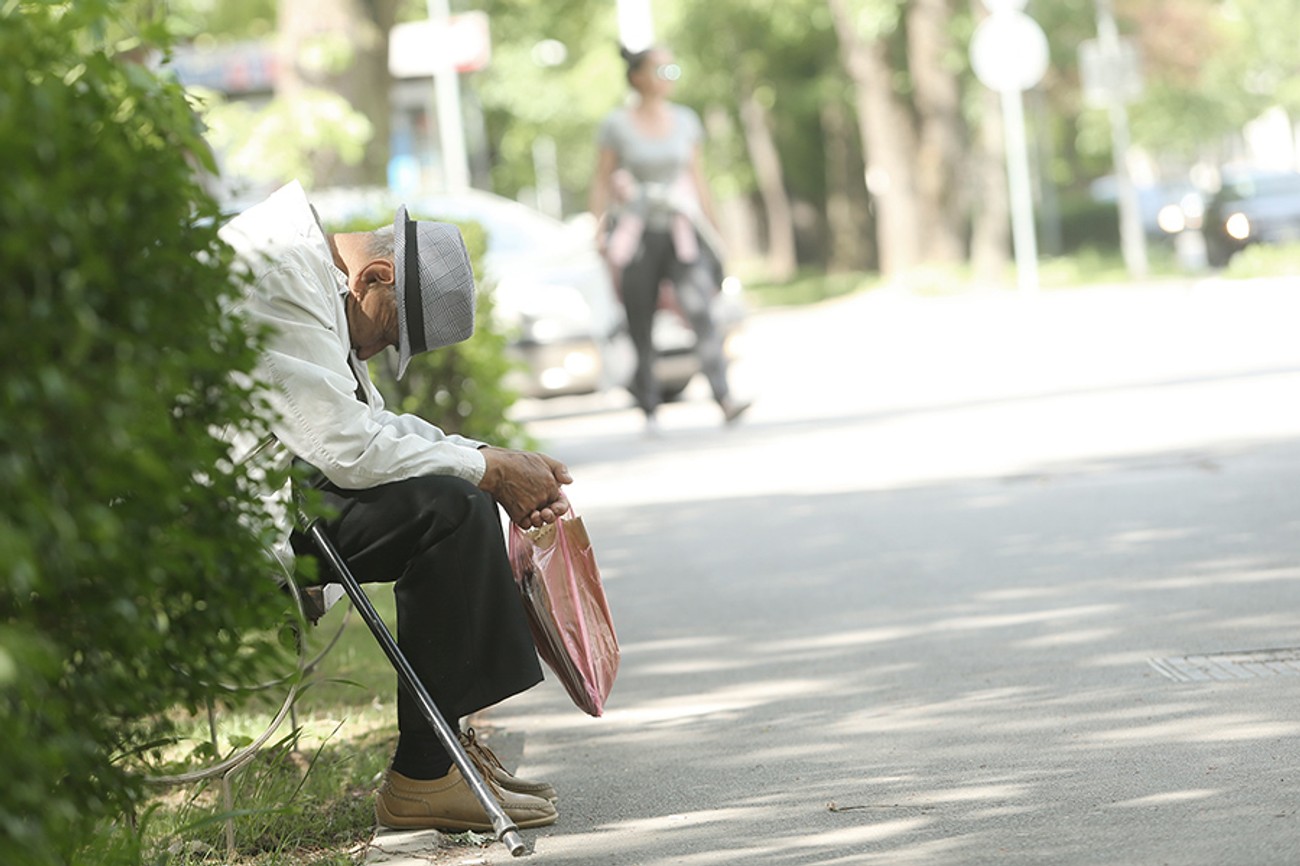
848	207
737	217
341	46
766	161
889	137
941	131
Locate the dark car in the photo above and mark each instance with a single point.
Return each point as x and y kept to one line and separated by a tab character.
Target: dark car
1156	202
1251	207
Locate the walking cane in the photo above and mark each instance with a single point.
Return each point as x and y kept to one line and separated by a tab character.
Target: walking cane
505	829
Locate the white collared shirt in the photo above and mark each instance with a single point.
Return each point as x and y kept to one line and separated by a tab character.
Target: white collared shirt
309	369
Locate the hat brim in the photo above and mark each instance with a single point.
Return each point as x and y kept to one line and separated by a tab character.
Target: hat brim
402	224
435	287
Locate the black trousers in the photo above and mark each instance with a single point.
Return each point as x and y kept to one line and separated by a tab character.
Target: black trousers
460	622
695	284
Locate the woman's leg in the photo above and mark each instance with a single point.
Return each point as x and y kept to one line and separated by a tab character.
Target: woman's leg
640	284
696	289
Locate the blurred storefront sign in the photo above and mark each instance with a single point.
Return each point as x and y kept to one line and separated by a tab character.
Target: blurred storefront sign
236	69
428	141
418	49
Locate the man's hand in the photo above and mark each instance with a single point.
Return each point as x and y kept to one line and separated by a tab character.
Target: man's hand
526	484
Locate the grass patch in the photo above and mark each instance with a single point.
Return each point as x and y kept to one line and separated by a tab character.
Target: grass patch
307	798
1088	266
1092	266
809	287
1261	260
295	802
300	801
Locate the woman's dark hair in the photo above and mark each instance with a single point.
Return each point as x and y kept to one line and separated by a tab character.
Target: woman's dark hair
635	59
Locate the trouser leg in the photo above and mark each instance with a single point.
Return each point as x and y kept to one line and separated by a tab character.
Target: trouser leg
459	620
695	291
640	286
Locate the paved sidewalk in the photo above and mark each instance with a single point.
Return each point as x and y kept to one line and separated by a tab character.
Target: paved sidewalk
921	608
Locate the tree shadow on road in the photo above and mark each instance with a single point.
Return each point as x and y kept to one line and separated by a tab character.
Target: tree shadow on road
952	673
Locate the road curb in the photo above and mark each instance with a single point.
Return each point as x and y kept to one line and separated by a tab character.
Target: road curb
425	847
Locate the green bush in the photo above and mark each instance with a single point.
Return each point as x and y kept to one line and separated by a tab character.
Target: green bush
460	388
1088	224
131	561
1265	260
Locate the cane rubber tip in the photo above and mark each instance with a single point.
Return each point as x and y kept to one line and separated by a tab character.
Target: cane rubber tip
514	842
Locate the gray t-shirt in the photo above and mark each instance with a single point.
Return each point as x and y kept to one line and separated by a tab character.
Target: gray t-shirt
652	160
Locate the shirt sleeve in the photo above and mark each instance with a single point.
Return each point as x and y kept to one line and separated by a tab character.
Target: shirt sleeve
312	392
607	134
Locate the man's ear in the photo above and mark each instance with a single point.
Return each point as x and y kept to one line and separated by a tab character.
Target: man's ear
379	272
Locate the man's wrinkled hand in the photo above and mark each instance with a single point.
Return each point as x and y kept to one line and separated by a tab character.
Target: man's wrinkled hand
526	484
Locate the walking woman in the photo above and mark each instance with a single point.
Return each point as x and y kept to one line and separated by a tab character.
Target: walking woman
656	219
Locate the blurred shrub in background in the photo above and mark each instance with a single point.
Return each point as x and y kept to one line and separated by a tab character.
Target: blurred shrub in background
1088	224
1265	260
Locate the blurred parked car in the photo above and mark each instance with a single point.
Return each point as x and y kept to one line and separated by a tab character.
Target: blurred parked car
1155	201
552	290
1251	207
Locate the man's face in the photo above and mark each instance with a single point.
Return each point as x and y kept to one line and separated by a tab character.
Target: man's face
372	310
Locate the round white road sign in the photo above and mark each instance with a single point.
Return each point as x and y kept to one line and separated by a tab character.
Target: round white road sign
1009	51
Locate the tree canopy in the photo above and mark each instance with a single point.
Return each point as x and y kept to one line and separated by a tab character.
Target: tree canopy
1209	67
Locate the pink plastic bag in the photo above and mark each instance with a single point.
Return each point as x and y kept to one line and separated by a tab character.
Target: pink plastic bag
559	584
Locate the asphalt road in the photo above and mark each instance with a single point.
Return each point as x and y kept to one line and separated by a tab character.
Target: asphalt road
929	602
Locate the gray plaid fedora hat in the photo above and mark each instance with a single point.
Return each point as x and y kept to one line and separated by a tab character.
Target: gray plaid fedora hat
435	287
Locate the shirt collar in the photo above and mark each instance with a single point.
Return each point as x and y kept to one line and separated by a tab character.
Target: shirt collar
340	278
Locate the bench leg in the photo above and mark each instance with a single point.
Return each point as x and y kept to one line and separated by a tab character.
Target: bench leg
505	829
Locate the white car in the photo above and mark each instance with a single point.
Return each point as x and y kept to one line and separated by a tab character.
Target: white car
552	291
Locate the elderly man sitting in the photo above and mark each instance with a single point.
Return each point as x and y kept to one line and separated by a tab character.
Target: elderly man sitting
411	504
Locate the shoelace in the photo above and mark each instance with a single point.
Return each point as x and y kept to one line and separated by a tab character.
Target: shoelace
483	757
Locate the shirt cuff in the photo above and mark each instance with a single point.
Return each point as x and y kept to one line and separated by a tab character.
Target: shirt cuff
475	465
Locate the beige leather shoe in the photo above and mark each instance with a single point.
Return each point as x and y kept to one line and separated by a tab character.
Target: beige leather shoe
449	804
491	767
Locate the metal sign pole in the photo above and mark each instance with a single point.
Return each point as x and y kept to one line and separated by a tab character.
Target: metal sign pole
1009	54
451	124
1023	233
1131	234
